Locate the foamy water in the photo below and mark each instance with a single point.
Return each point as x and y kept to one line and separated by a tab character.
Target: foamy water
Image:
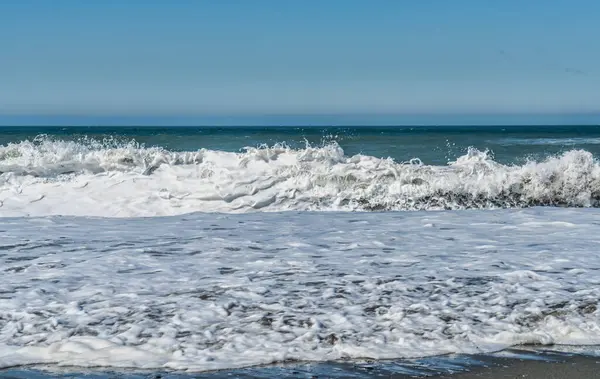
89	178
228	269
206	291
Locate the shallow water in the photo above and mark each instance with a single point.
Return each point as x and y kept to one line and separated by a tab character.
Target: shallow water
215	291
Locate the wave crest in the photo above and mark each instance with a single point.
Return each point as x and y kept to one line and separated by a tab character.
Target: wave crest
48	157
277	178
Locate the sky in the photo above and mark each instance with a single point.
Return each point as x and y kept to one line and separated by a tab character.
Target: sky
273	57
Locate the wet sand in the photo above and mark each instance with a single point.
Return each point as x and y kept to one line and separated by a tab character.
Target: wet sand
577	367
519	364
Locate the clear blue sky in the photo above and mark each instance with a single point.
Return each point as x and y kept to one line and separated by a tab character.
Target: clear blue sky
176	57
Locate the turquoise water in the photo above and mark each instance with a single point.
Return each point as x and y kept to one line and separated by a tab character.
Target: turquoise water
432	145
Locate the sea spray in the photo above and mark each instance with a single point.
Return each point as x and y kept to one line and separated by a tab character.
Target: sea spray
276	178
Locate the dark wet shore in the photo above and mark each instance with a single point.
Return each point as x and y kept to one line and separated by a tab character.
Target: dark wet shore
578	367
508	364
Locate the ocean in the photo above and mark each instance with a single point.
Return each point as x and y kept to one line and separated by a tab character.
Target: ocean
189	250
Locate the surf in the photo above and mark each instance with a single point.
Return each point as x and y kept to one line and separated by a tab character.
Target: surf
111	178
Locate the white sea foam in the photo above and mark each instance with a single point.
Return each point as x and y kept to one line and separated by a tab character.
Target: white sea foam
49	177
214	291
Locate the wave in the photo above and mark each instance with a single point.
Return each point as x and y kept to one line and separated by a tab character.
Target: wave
547	141
112	178
47	157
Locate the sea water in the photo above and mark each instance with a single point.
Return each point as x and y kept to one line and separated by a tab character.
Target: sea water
197	249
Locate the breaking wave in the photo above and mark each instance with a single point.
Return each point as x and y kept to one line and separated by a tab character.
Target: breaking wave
112	178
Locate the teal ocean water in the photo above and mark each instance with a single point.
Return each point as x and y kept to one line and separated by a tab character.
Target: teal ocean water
436	145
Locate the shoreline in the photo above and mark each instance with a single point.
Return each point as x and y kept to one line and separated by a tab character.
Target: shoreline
580	367
510	363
